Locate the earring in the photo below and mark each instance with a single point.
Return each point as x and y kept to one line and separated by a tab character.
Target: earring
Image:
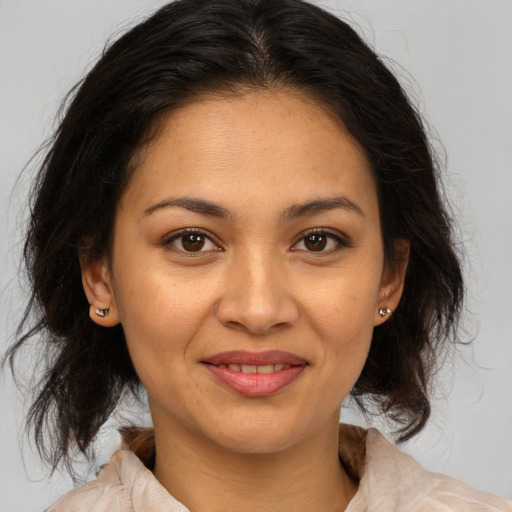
102	312
384	311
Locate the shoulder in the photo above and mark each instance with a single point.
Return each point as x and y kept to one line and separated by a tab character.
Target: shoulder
392	480
125	484
106	493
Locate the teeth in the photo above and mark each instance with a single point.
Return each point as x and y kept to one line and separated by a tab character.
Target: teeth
252	368
268	368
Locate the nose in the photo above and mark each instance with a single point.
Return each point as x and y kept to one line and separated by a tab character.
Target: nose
257	295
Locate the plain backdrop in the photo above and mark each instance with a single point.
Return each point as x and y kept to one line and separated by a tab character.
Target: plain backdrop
455	58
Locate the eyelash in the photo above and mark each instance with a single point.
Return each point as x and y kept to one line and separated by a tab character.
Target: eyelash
175	236
340	241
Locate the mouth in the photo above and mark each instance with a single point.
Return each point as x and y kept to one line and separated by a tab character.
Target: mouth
255	374
251	368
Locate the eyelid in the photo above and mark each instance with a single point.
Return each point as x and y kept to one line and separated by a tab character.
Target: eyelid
343	240
170	237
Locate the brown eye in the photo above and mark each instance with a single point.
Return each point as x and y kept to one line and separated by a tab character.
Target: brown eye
315	242
192	242
320	242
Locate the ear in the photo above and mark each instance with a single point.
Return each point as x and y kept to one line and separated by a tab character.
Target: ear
392	282
97	283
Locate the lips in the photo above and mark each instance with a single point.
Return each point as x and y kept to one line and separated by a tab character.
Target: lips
255	374
252	368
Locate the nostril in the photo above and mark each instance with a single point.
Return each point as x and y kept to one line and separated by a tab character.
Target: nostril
259	307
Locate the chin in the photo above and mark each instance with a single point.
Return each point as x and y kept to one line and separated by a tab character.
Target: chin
257	444
259	437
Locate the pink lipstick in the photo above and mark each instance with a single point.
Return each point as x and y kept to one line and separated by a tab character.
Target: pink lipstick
255	374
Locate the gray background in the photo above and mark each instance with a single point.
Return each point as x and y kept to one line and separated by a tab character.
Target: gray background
459	53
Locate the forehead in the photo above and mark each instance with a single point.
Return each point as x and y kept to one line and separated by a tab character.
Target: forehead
261	147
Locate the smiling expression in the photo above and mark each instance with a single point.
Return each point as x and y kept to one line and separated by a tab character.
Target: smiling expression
247	269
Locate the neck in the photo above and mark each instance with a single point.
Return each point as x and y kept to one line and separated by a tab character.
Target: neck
306	477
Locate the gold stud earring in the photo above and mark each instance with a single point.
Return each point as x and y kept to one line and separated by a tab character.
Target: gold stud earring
384	311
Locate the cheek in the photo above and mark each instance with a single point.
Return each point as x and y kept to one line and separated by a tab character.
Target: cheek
347	334
344	305
159	327
342	315
160	311
161	316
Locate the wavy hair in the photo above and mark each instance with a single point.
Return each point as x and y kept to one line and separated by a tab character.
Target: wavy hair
188	48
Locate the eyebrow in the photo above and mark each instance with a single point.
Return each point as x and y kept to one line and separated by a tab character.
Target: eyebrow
194	205
297	211
293	212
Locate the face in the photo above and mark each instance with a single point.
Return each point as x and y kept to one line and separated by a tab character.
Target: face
247	270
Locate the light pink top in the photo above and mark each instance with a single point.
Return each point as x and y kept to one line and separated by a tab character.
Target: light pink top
389	481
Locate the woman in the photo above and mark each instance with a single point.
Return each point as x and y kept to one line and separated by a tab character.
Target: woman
249	203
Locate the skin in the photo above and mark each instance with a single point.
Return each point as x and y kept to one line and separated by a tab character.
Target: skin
258	283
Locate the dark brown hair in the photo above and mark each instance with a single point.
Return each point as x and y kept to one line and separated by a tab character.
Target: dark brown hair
187	48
